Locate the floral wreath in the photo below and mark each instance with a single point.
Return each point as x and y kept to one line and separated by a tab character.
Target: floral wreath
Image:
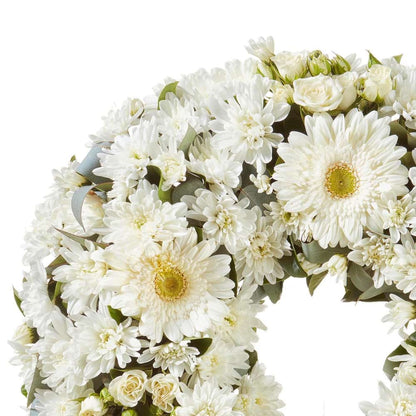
149	261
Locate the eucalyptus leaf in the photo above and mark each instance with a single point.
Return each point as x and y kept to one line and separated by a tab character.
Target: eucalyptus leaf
91	162
316	254
291	266
201	344
59	261
233	276
314	281
258	294
80	239
273	291
36	383
17	300
359	277
376	294
411	339
252	359
389	366
164	195
256	198
188	187
77	202
116	314
168	88
187	140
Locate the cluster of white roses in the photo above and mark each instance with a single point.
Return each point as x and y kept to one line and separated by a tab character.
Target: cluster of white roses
148	263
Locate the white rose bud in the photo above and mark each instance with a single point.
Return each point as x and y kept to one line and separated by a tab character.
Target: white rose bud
377	83
290	65
320	93
92	406
129	388
281	93
164	389
348	81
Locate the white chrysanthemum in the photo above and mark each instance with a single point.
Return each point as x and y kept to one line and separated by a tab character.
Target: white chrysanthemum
262	183
36	304
261	48
60	361
336	267
257	258
243	124
341	172
398	216
206	399
399	400
127	159
226	221
82	277
377	252
105	342
401	312
222	363
296	223
178	291
217	166
403	269
259	394
143	220
66	179
176	357
240	325
119	120
406	372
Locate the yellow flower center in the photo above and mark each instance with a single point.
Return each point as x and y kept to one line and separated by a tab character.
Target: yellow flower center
341	181
170	283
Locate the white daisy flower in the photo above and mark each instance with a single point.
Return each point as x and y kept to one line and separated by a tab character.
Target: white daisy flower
341	172
206	399
222	363
401	312
174	296
257	257
144	220
82	277
399	400
105	343
226	221
177	357
243	124
216	165
377	252
259	394
119	120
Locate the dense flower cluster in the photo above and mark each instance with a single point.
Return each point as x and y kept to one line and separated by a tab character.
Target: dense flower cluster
148	263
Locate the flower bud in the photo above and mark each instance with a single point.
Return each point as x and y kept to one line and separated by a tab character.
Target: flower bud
106	396
318	63
340	65
129	412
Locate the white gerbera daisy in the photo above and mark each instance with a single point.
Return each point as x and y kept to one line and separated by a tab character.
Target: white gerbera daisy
341	172
177	357
401	312
222	363
82	277
243	124
226	220
105	342
377	252
257	257
399	400
179	291
259	394
206	399
144	220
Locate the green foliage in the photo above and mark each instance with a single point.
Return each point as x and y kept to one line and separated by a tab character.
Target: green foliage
273	291
91	162
314	281
372	60
201	344
17	300
187	140
116	314
389	366
168	88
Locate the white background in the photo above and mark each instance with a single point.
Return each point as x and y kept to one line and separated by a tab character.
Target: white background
64	63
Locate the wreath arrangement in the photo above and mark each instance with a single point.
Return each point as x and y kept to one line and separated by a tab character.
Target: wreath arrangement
149	261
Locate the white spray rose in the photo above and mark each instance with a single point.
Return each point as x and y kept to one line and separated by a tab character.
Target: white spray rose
92	406
348	82
164	389
320	93
290	65
281	93
377	83
129	388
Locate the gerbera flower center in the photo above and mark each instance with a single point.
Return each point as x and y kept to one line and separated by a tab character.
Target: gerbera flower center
170	283
341	180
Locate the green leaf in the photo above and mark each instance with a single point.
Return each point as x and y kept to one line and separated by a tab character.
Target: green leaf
398	58
80	239
36	383
389	366
77	202
411	339
252	359
56	292
273	291
168	88
372	60
359	277
91	162
376	294
256	198
258	294
17	300
188	187
23	390
164	196
59	261
316	254
116	314
233	276
314	281
291	266
201	344
187	140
